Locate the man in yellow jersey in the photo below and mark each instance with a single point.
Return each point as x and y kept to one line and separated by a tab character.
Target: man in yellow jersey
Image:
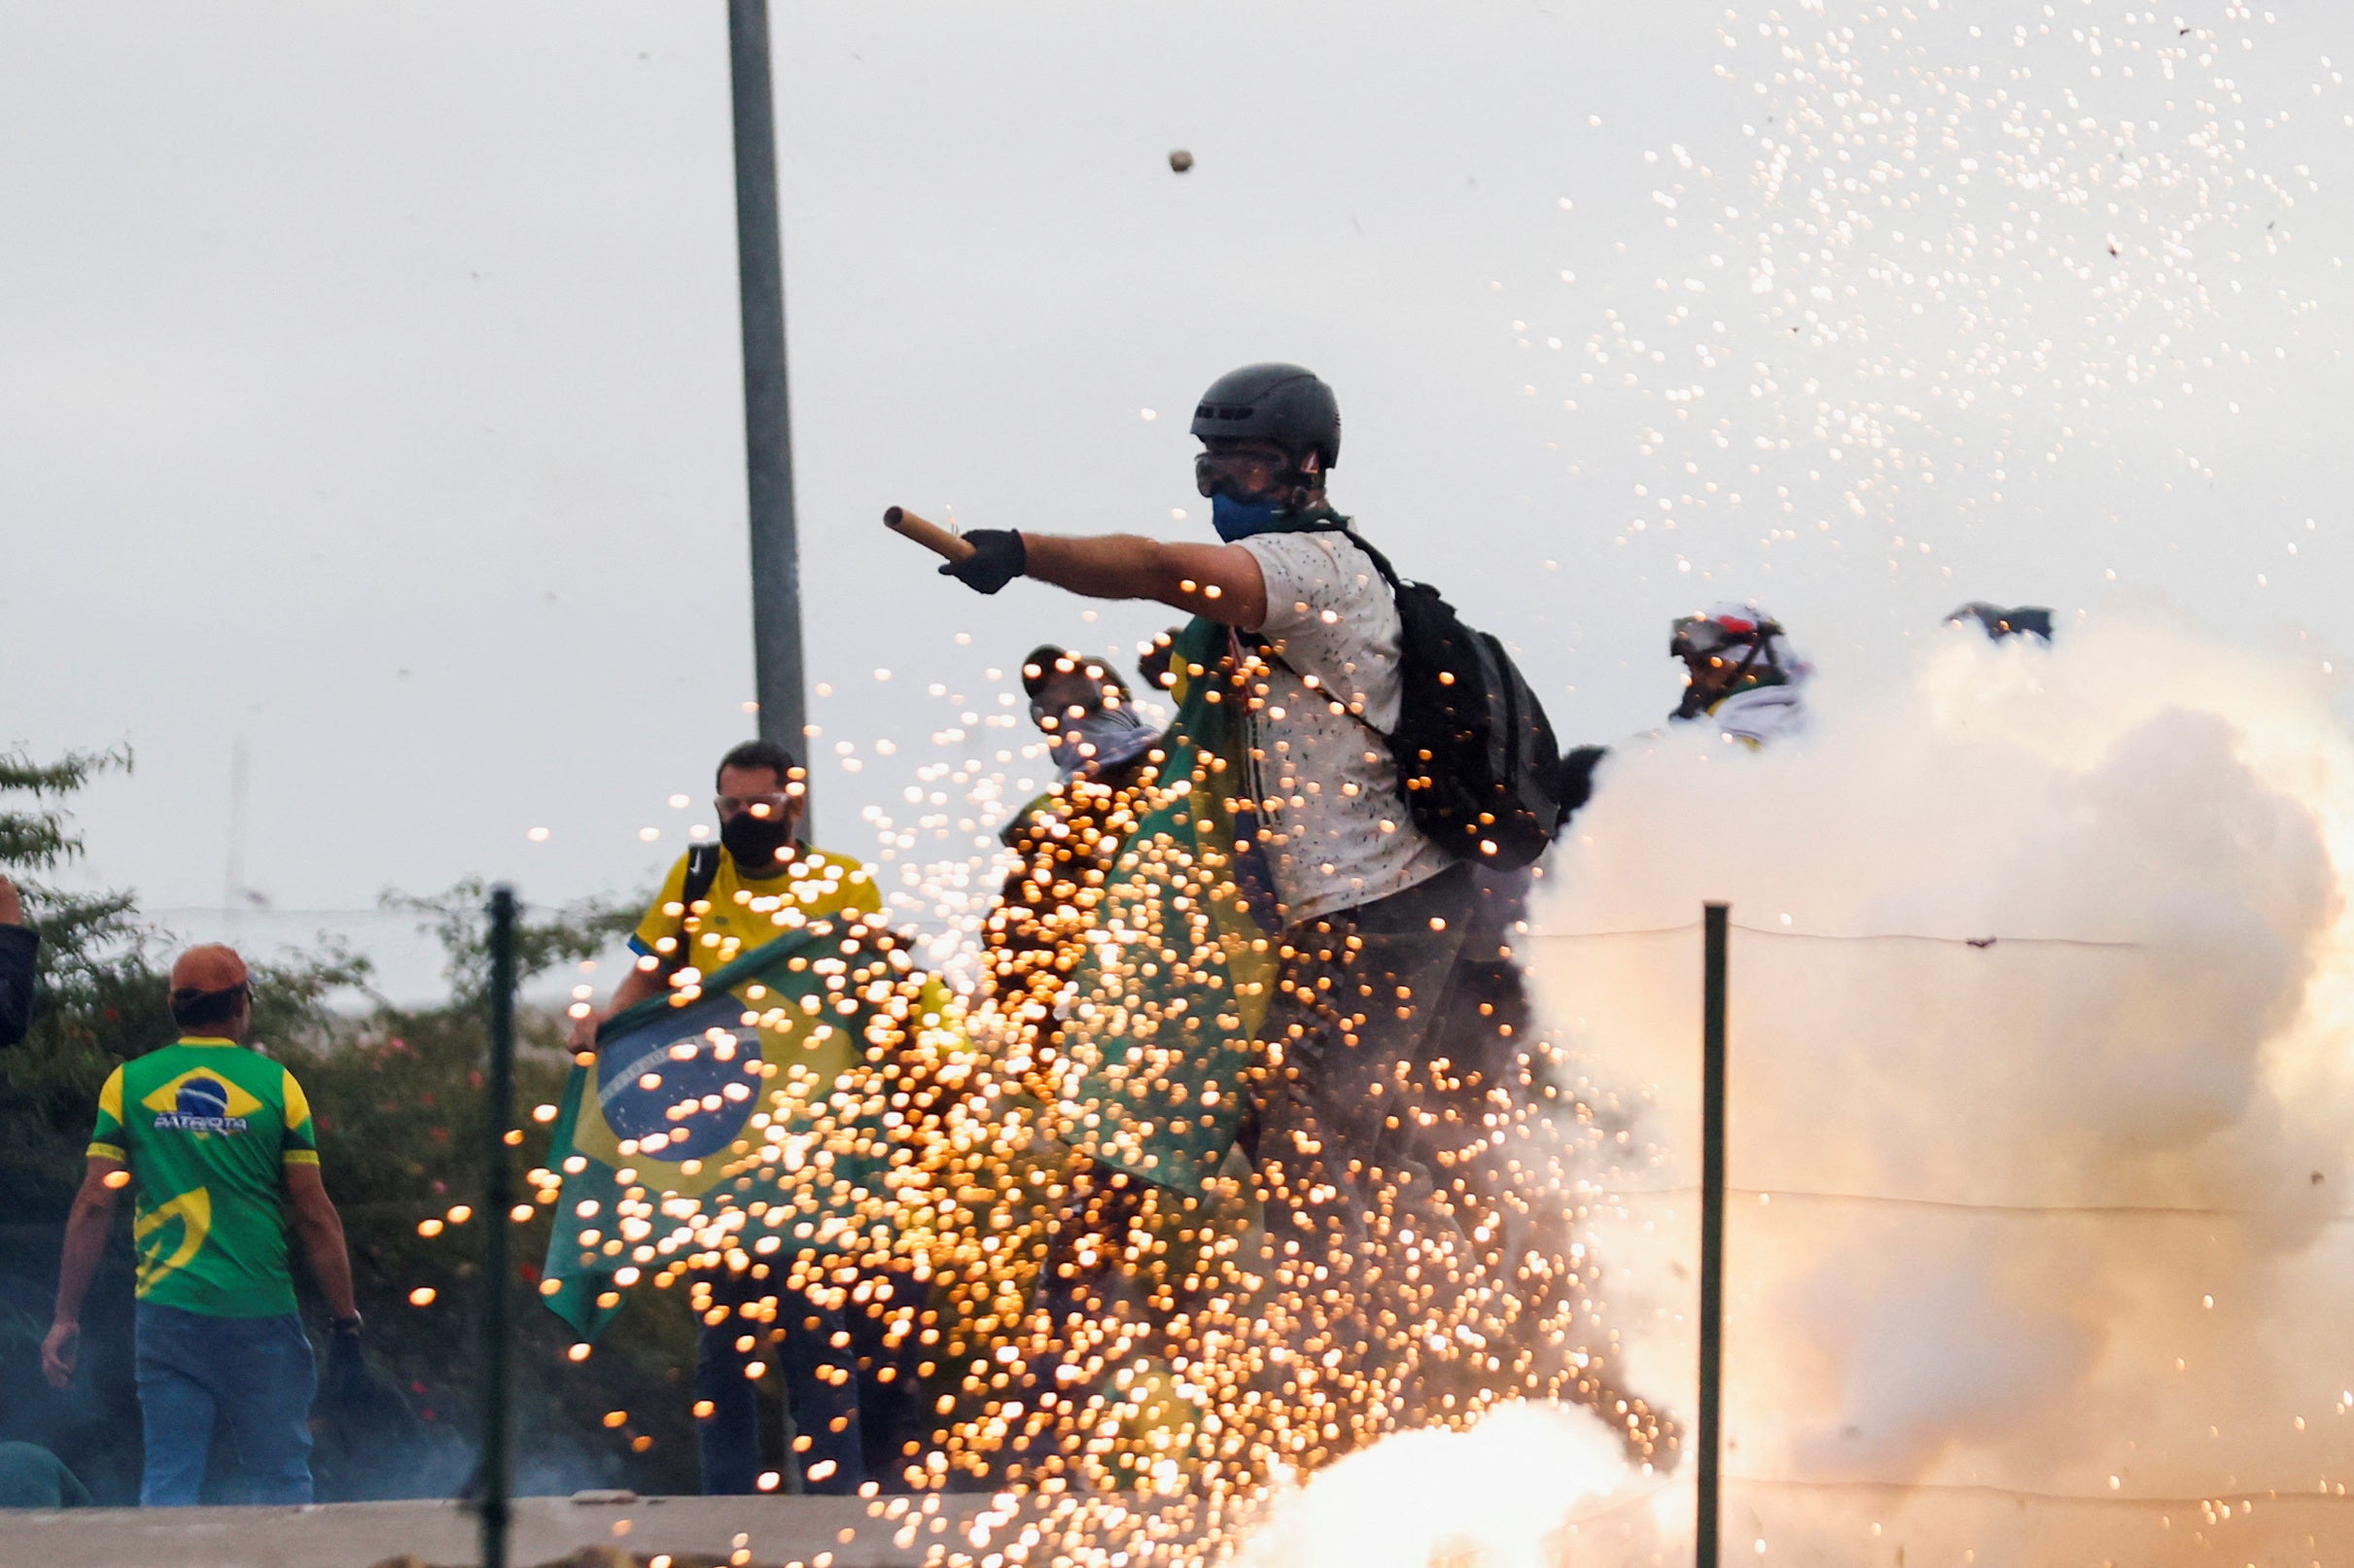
759	857
217	1140
718	903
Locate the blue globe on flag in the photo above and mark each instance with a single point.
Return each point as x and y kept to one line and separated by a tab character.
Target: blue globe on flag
682	1084
203	1097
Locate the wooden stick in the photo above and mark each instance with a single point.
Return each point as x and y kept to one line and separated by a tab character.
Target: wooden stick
932	536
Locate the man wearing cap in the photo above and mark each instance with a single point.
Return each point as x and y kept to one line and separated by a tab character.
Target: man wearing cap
217	1140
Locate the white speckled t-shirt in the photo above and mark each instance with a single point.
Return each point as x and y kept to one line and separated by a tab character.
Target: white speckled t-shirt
1335	831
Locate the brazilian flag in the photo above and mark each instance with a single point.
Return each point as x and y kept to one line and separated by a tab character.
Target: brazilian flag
749	1112
1181	964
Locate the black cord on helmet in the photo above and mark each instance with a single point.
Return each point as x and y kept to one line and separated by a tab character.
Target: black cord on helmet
1760	641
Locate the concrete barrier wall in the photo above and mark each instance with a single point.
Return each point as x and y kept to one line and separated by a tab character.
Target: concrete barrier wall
775	1530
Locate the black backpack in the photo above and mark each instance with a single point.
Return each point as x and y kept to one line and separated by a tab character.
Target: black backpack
1476	757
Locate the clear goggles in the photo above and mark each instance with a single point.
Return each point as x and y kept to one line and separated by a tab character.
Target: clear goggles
1242	475
1703	636
780	804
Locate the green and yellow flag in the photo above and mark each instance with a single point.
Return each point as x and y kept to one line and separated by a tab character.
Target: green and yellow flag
1181	964
722	1119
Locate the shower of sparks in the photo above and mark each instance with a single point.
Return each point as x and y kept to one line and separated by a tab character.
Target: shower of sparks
1955	258
1959	265
1188	1353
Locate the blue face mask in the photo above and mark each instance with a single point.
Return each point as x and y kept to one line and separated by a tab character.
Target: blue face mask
1240	519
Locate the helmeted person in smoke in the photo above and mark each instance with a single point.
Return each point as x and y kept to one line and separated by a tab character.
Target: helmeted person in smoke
1288	684
1740	672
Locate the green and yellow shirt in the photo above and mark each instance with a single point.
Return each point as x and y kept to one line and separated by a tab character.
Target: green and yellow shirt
206	1126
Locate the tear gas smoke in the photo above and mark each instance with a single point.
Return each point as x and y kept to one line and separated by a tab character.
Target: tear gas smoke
1529	1486
2047	1219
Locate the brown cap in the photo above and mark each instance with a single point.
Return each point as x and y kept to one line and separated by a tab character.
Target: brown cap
202	970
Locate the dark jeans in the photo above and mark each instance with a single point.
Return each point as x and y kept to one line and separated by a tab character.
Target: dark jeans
255	1373
1366	1248
1361	994
853	1403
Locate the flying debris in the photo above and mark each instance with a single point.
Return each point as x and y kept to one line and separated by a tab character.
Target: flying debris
1180	160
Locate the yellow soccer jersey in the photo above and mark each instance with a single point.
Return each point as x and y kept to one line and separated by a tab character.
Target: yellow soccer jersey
742	915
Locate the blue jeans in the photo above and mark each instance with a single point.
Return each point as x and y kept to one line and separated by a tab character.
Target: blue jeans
255	1373
853	1417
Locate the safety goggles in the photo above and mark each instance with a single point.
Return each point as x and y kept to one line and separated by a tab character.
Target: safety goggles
1703	635
764	806
1242	475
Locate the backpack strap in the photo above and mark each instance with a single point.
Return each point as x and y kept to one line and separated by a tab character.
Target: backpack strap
1381	562
702	870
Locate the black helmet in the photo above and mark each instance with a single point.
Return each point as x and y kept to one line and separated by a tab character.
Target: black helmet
1282	403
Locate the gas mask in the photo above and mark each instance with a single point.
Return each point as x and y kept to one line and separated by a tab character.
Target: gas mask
1099	740
753	842
1250	491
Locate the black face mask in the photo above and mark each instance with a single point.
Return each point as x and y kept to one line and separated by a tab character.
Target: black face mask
753	842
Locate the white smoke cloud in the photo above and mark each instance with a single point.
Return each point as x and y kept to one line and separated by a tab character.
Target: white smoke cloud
2102	1318
2184	1101
1532	1487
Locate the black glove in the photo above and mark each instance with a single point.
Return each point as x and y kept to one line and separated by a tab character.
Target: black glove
346	1366
998	557
1574	784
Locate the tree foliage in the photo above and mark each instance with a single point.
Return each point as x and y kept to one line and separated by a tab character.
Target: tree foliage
403	1141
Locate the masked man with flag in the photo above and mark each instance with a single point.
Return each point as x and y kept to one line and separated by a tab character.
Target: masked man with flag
217	1140
1277	939
673	1102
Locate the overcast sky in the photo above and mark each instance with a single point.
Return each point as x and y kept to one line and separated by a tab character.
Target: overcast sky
369	393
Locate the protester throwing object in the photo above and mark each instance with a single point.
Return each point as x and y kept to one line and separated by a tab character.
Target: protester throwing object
217	1139
1343	748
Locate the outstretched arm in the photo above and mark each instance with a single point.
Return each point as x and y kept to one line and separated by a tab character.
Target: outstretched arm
1221	581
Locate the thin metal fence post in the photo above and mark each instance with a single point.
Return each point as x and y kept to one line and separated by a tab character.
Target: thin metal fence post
498	1198
776	559
1708	1440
